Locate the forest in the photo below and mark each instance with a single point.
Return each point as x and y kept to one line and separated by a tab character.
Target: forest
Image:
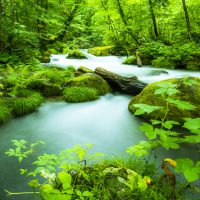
100	99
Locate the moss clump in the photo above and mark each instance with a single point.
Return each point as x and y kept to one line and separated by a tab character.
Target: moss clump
101	51
132	60
89	80
189	93
45	59
5	113
82	70
162	62
76	54
25	102
79	94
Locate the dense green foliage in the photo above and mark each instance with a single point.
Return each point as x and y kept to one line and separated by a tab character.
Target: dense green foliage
79	94
149	28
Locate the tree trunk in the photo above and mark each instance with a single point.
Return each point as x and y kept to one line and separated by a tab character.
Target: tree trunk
155	30
127	85
187	19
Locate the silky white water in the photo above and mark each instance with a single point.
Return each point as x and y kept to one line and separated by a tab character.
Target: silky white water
106	123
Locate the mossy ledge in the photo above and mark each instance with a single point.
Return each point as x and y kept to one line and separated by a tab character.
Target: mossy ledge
89	80
189	93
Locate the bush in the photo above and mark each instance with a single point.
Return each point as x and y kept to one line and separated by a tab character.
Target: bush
162	62
76	54
5	113
25	102
132	60
79	94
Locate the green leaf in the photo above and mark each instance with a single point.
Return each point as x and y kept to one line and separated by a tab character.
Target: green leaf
187	167
169	124
87	194
193	125
148	129
34	183
141	149
144	108
183	105
65	179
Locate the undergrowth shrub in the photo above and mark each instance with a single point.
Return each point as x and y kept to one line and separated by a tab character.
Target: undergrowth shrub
76	174
132	60
162	62
79	94
5	113
25	102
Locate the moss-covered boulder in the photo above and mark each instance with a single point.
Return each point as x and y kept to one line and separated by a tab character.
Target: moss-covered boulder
45	59
101	51
187	92
45	87
79	94
82	70
76	54
132	60
89	80
162	62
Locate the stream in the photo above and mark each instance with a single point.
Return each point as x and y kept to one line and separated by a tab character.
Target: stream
106	122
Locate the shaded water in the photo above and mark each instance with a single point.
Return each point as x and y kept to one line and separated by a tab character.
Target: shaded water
106	123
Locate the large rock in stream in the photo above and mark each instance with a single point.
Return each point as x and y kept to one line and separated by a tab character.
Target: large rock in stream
189	91
128	85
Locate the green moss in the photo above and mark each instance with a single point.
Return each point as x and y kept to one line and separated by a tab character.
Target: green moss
187	93
101	51
91	81
162	62
26	102
82	70
5	113
45	59
79	94
76	54
132	60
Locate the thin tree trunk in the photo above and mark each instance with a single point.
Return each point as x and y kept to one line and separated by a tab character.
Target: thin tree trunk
155	30
187	19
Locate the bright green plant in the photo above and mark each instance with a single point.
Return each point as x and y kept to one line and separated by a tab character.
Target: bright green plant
161	132
79	94
76	174
25	102
5	113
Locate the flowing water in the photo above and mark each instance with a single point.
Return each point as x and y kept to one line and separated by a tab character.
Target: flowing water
106	122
